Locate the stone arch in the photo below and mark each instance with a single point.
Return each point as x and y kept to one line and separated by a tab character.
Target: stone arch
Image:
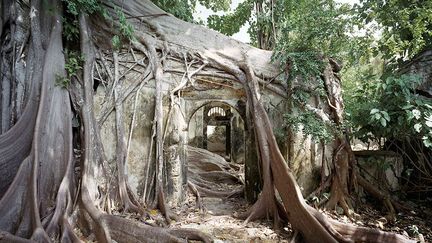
234	123
237	104
252	171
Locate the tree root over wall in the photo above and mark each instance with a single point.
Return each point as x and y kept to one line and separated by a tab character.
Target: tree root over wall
52	191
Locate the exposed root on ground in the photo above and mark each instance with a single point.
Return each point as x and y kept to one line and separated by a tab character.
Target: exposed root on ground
210	175
38	149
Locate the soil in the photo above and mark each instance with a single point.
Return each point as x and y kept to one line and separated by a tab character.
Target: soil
219	220
219	216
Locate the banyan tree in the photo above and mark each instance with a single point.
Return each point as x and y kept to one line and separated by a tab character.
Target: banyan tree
77	87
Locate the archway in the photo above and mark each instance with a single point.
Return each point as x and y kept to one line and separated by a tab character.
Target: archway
219	128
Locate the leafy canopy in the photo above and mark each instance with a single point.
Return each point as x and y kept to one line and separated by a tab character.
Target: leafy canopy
184	9
405	26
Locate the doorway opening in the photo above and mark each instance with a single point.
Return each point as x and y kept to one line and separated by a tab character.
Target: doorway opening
217	140
220	129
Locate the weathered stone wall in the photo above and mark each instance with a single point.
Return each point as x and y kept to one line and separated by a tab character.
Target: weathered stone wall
237	139
383	168
195	129
180	130
303	154
140	140
422	66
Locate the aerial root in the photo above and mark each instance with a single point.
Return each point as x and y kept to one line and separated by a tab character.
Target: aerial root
375	192
40	235
161	204
327	225
295	237
264	208
68	234
198	201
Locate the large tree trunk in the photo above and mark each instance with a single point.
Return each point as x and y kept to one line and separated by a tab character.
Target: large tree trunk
41	196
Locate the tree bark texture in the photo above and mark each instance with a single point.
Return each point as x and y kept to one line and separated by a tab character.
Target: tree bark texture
48	189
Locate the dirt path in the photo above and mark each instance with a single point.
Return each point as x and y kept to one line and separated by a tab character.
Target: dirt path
218	218
219	221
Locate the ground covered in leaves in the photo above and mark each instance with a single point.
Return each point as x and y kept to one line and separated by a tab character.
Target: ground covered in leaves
217	215
219	220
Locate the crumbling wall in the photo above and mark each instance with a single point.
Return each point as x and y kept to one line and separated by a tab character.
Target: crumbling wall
383	168
180	130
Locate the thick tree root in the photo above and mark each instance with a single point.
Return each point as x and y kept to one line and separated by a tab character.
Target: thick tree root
197	194
207	172
300	215
38	147
127	231
6	237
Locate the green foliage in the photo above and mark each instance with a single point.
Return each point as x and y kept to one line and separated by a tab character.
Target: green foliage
184	9
181	9
215	5
308	123
62	81
405	26
74	7
70	29
231	23
381	117
414	230
390	108
306	64
126	30
74	63
115	41
321	26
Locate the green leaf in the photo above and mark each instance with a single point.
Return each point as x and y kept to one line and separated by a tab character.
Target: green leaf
417	127
383	122
386	115
416	113
373	111
406	107
427	142
377	116
116	42
428	123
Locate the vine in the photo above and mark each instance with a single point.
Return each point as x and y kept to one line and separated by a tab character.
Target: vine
304	82
126	30
74	63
